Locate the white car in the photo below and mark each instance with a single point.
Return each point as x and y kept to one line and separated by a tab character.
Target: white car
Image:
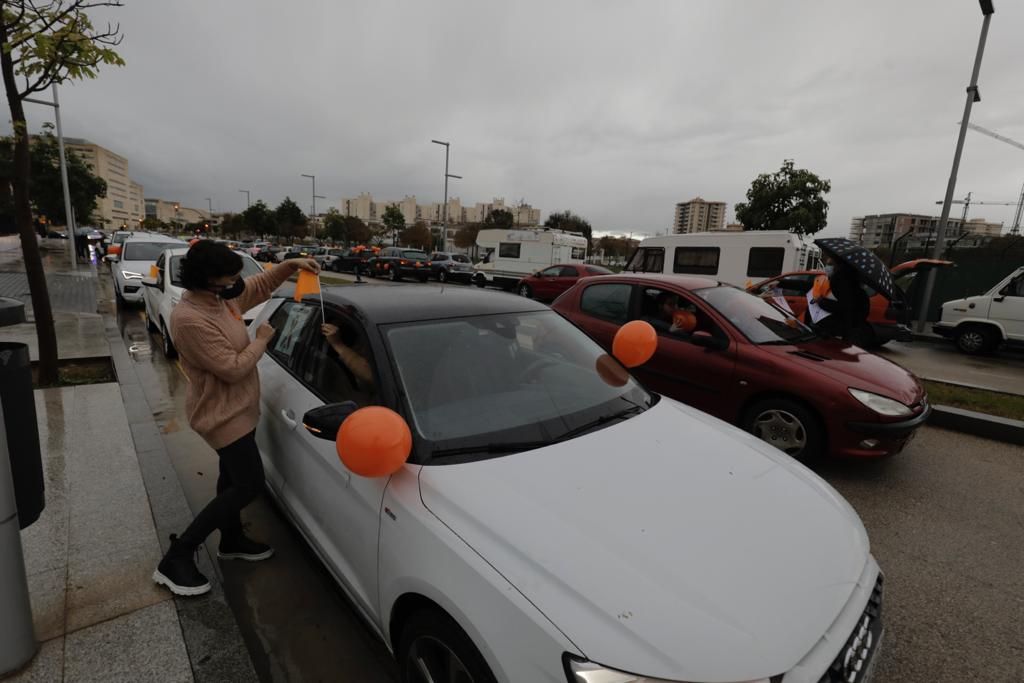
138	253
555	522
980	324
163	293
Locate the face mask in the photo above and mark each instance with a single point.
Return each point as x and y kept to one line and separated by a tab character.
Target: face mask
829	270
233	291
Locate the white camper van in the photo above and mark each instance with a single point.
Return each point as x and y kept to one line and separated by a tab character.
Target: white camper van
734	258
510	255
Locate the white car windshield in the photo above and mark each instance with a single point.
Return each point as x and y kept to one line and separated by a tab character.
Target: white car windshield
142	251
758	320
249	267
495	384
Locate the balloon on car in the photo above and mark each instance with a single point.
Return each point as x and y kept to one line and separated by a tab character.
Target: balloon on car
635	343
374	442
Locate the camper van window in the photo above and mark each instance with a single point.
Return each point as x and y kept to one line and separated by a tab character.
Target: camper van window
765	261
608	302
697	260
509	250
579	253
647	260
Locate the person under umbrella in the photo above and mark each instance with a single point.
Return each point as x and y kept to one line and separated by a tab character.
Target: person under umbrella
850	269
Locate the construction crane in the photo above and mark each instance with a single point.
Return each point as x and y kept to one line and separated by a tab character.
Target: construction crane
1015	229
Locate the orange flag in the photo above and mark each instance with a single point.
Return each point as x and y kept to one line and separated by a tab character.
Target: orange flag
308	283
154	272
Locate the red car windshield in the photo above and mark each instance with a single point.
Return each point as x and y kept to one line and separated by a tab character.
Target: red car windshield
758	320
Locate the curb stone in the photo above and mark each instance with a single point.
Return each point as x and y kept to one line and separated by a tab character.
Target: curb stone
978	424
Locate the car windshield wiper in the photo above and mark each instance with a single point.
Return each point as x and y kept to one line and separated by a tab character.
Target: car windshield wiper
519	446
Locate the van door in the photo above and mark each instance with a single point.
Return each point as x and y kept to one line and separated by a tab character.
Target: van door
647	260
1007	307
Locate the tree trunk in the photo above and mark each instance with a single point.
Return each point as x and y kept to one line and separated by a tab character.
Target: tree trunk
23	220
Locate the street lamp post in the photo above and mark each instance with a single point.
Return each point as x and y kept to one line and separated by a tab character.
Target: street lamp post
444	207
69	216
247	203
315	197
973	96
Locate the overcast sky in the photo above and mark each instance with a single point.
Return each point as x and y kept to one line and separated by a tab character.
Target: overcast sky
615	110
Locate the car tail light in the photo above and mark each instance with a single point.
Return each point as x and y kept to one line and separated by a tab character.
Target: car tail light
403	262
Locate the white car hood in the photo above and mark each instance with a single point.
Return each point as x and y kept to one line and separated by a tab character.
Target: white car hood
670	545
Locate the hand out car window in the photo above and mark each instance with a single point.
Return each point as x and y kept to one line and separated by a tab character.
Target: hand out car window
673	314
340	367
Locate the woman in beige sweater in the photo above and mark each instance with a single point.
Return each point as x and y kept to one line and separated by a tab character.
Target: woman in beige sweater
223	399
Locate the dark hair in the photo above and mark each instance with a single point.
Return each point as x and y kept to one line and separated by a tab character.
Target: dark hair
206	260
665	297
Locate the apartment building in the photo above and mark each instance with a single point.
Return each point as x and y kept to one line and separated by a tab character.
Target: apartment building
914	230
123	205
699	215
366	208
173	212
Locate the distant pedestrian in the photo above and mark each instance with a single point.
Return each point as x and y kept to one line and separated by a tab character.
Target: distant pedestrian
222	400
847	303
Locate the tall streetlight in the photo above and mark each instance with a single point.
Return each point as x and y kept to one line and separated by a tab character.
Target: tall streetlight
247	203
444	207
69	216
972	96
315	197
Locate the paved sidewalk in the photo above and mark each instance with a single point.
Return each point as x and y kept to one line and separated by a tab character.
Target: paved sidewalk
112	498
940	361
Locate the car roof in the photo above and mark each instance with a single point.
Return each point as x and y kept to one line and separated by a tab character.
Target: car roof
149	237
380	305
654	279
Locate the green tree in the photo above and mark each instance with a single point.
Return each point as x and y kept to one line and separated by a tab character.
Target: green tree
465	237
45	43
334	226
394	222
790	199
500	218
45	187
570	222
290	220
356	231
232	224
417	235
259	219
153	224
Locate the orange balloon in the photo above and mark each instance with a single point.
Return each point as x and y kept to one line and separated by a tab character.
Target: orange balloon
611	371
685	320
374	442
635	343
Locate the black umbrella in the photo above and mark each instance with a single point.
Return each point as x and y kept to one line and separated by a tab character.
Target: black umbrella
869	267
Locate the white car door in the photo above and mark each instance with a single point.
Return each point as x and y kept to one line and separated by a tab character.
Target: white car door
339	511
152	296
1007	308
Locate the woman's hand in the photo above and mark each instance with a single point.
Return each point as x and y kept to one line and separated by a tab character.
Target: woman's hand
304	264
330	331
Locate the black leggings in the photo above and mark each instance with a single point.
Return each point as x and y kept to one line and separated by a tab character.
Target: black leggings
240	481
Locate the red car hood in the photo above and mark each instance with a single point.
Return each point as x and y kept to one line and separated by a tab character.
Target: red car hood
854	367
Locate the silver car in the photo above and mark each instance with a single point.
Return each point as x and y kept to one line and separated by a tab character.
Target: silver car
447	265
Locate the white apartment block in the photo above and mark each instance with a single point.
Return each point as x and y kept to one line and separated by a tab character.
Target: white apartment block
882	230
366	208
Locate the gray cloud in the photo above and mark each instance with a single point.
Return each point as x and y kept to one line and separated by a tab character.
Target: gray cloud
614	110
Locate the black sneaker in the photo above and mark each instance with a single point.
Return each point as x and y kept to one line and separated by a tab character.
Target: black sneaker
178	571
241	547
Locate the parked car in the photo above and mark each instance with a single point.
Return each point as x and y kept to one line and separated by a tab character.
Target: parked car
889	320
319	254
548	284
266	255
511	255
494	553
980	324
116	240
757	367
163	293
132	265
57	235
396	263
346	260
447	265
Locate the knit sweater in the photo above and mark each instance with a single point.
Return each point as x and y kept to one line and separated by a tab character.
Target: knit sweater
223	397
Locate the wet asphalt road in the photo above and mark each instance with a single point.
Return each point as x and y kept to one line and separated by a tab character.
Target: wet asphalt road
945	518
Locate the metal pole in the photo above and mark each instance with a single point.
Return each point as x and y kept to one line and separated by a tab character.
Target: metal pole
444	220
247	203
972	93
69	217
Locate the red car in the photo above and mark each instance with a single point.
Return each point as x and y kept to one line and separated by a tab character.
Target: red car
743	360
888	322
548	284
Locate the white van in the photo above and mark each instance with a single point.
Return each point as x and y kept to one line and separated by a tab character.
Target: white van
511	255
979	324
735	258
